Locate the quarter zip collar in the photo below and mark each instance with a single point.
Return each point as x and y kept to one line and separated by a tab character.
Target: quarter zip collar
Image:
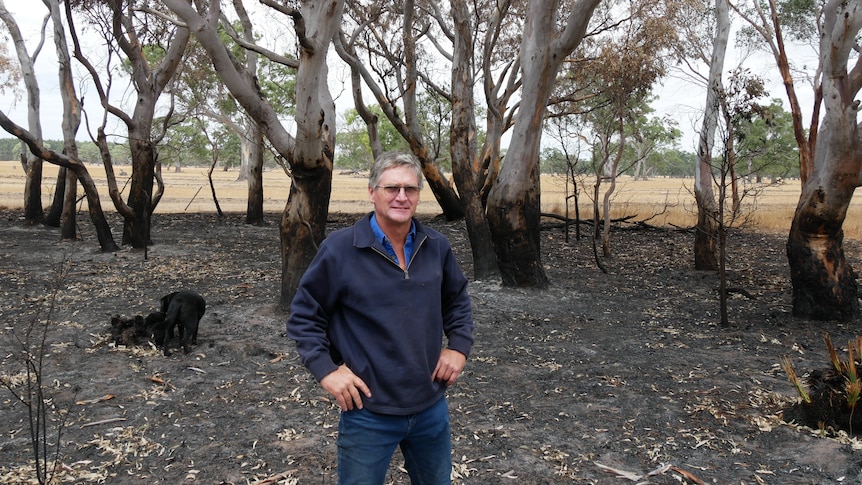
387	244
364	237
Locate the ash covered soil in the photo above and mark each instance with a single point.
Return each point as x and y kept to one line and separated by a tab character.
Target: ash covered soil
601	378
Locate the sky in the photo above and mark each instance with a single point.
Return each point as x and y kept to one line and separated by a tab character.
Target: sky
678	98
684	100
29	17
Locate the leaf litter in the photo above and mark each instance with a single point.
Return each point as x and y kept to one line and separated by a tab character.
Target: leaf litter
601	378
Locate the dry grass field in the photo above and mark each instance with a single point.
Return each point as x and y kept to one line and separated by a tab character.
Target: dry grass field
662	201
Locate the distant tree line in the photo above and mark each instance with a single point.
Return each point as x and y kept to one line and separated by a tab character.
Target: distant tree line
185	147
88	152
764	145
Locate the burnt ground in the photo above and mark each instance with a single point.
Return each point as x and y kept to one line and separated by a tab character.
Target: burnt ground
599	379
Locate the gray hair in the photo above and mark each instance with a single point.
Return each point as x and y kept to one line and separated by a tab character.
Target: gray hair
388	160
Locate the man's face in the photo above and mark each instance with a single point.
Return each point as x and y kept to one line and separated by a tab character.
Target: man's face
392	204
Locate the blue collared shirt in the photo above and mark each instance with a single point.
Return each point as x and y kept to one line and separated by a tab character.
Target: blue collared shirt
408	245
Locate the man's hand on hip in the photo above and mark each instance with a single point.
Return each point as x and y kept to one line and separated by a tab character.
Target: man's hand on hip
345	387
449	366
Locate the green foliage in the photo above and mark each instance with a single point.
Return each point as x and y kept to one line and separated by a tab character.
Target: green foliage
798	19
203	96
436	119
230	149
10	149
88	152
194	143
553	161
278	84
185	144
766	143
353	149
674	162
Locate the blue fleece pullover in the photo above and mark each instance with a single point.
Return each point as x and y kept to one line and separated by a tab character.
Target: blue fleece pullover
356	306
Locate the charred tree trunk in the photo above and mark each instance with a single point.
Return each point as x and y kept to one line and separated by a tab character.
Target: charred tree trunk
254	209
303	225
55	213
463	147
69	221
33	211
824	284
515	221
136	229
705	233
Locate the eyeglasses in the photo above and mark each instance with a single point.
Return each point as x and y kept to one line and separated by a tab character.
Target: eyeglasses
410	191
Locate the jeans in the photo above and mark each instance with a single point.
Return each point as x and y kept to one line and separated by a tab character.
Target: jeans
367	440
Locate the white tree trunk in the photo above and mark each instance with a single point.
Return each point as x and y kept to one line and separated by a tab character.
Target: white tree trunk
705	256
33	212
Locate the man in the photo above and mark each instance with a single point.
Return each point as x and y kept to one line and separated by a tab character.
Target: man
369	318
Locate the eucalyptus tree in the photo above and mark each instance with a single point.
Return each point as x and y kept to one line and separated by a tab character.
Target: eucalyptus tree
72	169
70	124
253	135
740	104
393	36
186	144
550	34
569	68
622	73
475	165
621	141
274	76
103	231
202	94
473	42
712	24
824	283
485	83
310	153
650	136
459	38
33	211
152	51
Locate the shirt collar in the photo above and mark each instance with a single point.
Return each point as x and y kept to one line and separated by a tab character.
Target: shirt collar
381	237
387	245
